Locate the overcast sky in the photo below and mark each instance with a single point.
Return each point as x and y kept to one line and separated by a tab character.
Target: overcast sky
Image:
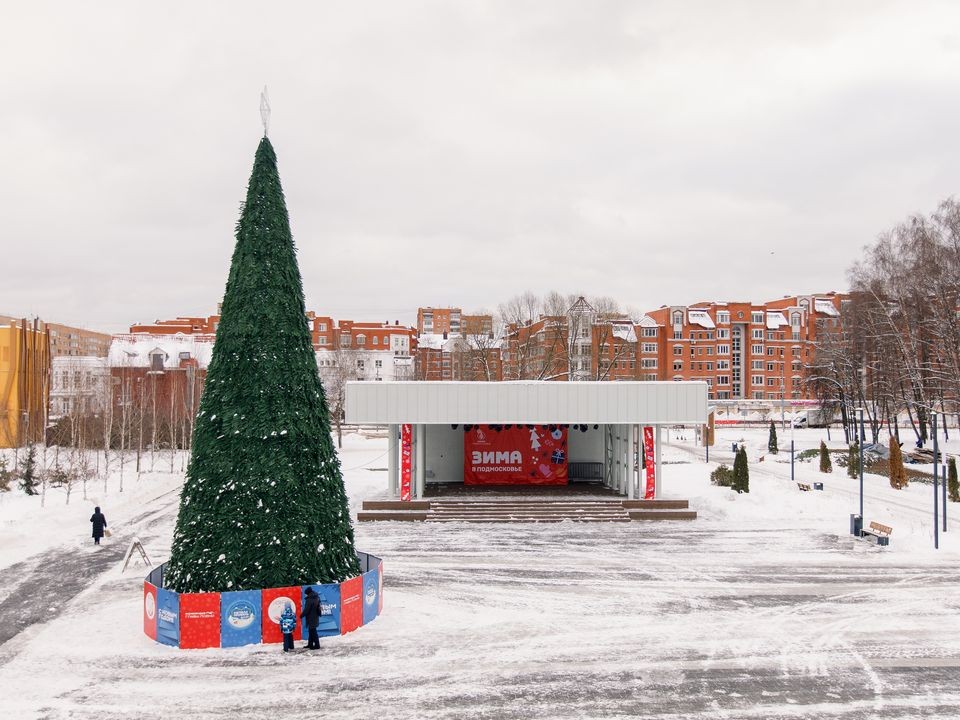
459	153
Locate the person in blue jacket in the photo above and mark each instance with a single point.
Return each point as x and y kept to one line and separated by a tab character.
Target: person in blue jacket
288	621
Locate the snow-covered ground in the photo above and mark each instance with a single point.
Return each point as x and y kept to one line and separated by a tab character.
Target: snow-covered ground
764	607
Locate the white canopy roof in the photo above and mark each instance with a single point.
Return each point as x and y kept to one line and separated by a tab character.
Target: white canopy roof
435	403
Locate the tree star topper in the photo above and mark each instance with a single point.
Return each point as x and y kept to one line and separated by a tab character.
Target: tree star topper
265	110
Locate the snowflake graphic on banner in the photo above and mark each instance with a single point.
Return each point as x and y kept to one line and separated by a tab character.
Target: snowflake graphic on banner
558	457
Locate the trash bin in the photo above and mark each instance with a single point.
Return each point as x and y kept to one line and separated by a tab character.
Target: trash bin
856	525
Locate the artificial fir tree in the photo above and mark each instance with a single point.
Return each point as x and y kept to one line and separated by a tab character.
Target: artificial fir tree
741	472
772	442
825	465
28	471
263	504
853	460
898	475
953	486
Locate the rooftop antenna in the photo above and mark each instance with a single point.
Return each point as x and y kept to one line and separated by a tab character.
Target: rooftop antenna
265	110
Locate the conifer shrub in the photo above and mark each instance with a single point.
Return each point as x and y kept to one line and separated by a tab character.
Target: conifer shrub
826	466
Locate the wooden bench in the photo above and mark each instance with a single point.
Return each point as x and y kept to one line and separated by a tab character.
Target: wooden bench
880	532
804	487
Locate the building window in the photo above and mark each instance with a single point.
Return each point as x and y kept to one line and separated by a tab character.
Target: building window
360	364
757	380
723	334
709	350
677	365
756	318
678	349
321	341
723	349
322	327
758	334
756	364
723	317
649	347
376	340
649	363
378	363
678	318
771	381
650	332
344	340
756	349
723	379
677	335
709	366
361	340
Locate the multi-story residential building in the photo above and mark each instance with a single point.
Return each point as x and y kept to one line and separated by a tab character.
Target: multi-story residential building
745	350
363	350
436	321
79	385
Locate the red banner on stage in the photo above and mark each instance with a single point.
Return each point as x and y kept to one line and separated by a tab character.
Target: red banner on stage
351	607
405	450
200	620
515	455
650	461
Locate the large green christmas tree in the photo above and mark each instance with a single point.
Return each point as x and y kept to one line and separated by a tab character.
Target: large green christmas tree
263	504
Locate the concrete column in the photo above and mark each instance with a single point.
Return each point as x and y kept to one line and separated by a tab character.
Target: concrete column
421	460
393	459
657	444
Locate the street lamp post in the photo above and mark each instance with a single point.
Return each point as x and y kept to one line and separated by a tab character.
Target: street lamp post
860	410
936	495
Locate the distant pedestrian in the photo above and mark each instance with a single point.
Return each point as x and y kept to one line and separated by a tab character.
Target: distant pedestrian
99	521
311	613
288	622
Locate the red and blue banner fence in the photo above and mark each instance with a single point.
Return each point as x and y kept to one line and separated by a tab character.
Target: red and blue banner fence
249	617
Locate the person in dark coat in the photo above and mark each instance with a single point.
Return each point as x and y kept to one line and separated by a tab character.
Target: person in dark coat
99	521
311	613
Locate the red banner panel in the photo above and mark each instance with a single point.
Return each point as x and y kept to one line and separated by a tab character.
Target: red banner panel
649	459
351	604
405	457
274	601
150	610
199	620
515	455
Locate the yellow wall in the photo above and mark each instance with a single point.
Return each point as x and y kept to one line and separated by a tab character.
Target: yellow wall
24	384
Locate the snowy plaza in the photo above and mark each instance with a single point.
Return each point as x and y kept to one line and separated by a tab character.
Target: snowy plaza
763	607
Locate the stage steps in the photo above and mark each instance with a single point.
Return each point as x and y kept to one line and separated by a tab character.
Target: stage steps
516	510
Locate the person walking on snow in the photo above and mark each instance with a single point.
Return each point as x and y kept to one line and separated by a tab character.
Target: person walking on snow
288	621
311	613
99	521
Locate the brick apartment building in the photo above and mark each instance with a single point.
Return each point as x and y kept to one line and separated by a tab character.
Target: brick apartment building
363	350
745	350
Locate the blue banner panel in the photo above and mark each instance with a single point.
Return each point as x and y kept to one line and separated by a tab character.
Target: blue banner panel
168	617
240	622
371	595
329	609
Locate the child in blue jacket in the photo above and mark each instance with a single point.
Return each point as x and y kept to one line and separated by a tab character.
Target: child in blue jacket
288	621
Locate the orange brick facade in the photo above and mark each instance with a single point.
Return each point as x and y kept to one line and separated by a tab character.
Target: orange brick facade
742	350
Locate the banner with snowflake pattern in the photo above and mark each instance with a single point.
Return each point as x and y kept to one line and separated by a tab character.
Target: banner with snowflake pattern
515	455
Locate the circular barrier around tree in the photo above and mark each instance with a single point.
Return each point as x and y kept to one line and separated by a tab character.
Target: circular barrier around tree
248	617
